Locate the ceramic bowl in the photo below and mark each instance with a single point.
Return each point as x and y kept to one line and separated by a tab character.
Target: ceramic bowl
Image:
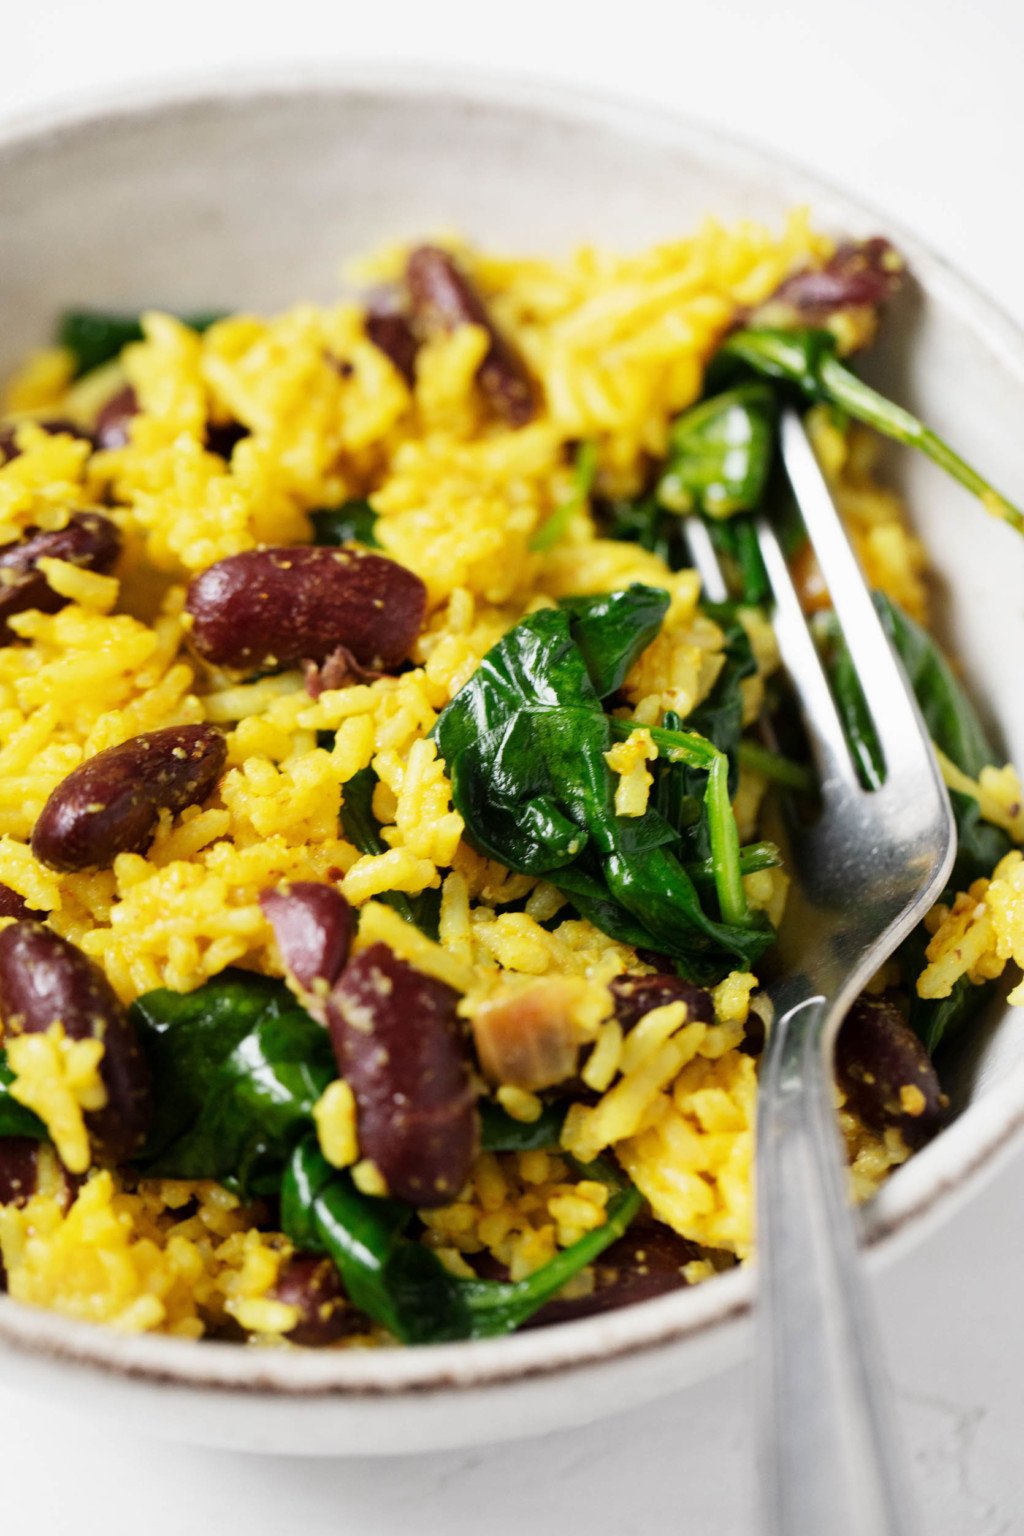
253	194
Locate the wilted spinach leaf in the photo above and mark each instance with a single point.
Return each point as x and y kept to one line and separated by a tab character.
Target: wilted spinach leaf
15	1119
720	453
362	830
353	522
956	729
807	360
237	1067
613	629
524	744
97	336
402	1284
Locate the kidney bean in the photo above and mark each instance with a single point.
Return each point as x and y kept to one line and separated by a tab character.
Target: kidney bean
110	429
878	1055
13	905
861	274
311	1285
636	995
44	980
398	1046
313	926
55	425
110	805
647	1262
275	607
754	1035
88	540
19	1169
442	298
392	334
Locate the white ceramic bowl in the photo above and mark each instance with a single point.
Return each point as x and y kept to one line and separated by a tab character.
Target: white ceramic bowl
251	194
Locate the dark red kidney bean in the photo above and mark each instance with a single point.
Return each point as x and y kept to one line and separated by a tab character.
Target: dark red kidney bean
313	925
275	607
862	274
392	334
45	980
13	905
311	1285
110	805
55	425
19	1169
877	1054
88	540
647	1262
442	298
636	995
110	429
754	1035
399	1047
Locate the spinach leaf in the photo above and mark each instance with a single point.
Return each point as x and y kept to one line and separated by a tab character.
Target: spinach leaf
852	706
613	629
524	744
952	721
720	453
358	822
956	729
735	543
500	1133
362	830
979	844
584	473
936	1020
498	1307
719	717
15	1119
400	1283
677	794
806	358
645	522
776	768
238	1067
753	857
354	521
951	718
97	336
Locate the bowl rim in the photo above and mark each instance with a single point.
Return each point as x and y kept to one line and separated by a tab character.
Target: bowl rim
925	1192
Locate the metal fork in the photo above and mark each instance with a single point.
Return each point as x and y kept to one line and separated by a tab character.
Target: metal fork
865	872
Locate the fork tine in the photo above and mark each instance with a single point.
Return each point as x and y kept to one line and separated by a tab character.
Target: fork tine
705	560
889	698
802	662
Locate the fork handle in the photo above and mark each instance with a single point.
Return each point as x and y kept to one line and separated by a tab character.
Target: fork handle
831	1463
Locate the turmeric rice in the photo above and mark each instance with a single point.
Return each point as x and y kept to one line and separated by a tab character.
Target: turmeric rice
424	892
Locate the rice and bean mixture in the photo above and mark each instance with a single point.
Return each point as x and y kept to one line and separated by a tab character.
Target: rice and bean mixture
386	908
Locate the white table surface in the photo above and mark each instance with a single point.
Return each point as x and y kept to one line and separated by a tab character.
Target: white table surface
917	106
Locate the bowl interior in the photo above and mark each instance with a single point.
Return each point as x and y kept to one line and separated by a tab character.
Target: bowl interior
255	198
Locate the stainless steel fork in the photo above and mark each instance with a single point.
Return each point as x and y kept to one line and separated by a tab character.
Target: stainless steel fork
865	872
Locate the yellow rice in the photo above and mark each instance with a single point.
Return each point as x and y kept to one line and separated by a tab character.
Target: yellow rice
618	344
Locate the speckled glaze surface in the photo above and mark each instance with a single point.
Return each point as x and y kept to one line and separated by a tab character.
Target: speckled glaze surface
253	194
